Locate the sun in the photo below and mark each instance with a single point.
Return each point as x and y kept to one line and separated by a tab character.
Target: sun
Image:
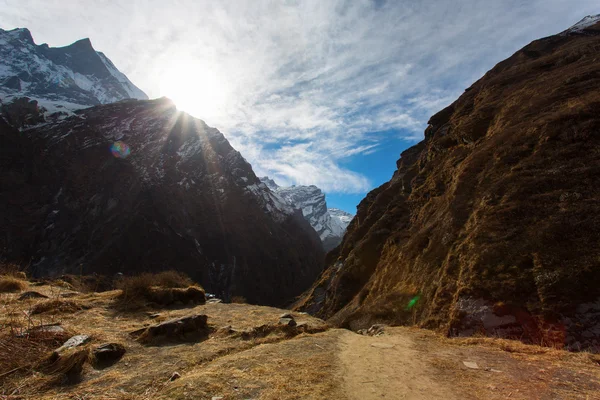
195	88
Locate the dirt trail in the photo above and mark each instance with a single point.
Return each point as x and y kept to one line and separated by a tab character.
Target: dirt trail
387	367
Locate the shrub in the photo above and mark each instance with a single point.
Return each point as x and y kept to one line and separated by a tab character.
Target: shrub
11	284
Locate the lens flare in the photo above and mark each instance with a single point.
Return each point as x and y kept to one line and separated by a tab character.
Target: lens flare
412	302
120	149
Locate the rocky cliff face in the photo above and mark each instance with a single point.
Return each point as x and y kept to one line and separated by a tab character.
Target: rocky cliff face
491	224
60	79
137	186
330	224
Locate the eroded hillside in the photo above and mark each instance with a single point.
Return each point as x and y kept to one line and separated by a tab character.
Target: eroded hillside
491	224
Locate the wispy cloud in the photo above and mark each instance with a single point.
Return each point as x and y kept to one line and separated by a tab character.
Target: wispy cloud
300	86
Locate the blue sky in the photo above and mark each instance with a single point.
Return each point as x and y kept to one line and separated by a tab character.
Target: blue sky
324	92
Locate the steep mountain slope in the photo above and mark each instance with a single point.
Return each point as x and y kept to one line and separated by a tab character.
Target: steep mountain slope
60	79
330	224
491	224
136	186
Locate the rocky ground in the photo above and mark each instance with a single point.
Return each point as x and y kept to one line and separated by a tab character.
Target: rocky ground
241	351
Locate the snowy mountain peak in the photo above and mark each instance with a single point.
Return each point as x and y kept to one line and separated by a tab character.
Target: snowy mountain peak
582	25
330	224
59	78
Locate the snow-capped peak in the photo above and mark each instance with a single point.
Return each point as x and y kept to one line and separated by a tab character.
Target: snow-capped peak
585	23
330	224
59	78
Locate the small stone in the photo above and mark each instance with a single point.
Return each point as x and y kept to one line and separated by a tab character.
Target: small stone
32	295
107	354
217	398
175	376
75	341
380	345
376	330
287	322
154	316
471	365
214	301
51	329
286	316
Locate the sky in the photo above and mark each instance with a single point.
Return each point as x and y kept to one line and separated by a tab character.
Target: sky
323	92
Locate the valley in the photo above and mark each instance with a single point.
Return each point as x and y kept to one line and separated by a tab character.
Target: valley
142	257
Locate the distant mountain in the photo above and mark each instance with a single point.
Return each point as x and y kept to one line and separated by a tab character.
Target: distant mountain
137	186
330	224
491	224
59	78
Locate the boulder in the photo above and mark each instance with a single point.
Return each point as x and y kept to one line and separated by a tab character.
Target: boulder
107	354
181	329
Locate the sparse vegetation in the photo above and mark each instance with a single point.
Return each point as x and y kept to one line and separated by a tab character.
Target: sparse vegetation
55	306
238	299
11	284
163	288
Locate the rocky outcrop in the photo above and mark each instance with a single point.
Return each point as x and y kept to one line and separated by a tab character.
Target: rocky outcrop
491	224
330	224
137	186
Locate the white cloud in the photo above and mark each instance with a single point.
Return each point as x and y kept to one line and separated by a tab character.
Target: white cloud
299	86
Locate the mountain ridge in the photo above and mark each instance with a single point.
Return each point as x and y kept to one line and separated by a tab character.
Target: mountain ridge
330	224
138	186
61	79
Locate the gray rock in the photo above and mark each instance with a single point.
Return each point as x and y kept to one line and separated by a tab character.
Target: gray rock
107	354
32	295
50	329
175	376
287	322
471	365
175	329
286	315
75	341
376	330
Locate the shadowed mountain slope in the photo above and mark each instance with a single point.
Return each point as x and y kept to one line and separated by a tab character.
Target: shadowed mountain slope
138	186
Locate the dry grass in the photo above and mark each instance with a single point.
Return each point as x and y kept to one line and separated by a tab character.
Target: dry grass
20	352
165	279
56	306
11	284
239	300
162	289
66	366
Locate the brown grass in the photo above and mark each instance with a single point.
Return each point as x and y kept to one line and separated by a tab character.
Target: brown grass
56	306
239	300
66	366
11	284
163	288
166	279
